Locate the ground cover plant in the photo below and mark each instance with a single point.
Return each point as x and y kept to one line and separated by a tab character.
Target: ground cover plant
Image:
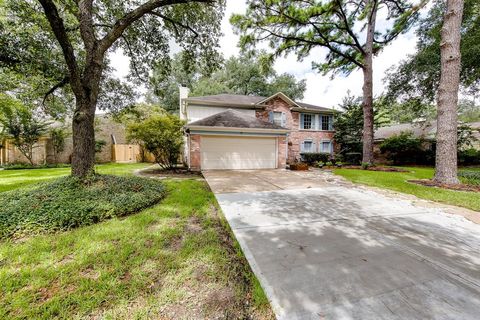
175	260
398	181
13	179
69	202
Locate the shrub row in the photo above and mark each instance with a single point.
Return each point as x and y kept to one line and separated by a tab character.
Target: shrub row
470	177
314	157
68	203
469	157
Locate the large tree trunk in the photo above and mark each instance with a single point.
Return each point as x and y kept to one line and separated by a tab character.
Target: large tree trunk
446	154
83	156
367	115
368	90
83	124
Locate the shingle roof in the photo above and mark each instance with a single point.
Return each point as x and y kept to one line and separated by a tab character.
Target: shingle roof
234	119
238	99
424	129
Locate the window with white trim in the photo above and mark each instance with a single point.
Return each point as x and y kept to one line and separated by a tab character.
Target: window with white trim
326	146
326	122
307	122
277	118
308	146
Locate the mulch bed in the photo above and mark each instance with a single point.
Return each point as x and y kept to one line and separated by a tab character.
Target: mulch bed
177	173
458	187
379	168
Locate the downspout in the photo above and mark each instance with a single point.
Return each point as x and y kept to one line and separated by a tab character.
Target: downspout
286	149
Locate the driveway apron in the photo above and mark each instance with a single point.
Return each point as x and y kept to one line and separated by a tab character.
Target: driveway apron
323	249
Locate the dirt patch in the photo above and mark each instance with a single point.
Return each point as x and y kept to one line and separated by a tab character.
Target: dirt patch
45	294
90	273
179	173
457	187
379	168
194	226
218	299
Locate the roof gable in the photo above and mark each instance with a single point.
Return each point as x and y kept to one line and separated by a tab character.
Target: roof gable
282	96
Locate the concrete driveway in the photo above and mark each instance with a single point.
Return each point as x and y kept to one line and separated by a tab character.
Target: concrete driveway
323	249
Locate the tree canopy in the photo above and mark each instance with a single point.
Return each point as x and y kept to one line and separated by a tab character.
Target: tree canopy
415	80
67	44
247	74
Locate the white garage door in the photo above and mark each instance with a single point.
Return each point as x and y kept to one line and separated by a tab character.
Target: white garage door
238	153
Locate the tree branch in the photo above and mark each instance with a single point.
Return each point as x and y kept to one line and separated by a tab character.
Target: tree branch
174	23
129	18
60	84
58	28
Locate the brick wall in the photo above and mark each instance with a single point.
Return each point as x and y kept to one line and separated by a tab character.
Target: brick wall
282	150
296	136
194	146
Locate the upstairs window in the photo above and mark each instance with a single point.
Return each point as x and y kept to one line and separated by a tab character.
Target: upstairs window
306	122
277	118
326	123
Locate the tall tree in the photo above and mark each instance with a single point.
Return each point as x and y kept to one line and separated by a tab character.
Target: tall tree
348	29
446	153
414	81
86	31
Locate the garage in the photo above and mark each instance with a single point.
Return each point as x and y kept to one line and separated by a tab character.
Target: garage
229	152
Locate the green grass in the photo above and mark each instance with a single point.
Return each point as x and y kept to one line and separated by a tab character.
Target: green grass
12	179
174	260
67	203
397	181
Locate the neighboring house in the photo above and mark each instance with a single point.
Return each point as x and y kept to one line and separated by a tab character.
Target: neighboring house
229	131
425	130
111	132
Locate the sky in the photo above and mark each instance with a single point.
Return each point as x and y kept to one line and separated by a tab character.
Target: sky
321	90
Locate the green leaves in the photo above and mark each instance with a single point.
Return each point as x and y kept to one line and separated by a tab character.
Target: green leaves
299	26
161	135
417	77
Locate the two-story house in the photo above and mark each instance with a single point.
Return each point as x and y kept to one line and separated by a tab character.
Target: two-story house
228	131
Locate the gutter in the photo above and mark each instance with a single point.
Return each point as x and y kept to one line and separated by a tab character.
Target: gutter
236	129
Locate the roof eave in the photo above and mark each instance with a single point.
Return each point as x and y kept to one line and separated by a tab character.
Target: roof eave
236	129
305	109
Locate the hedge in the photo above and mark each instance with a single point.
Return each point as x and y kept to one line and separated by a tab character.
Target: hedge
313	157
67	203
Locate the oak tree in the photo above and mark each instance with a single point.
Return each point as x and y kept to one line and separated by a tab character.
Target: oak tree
76	37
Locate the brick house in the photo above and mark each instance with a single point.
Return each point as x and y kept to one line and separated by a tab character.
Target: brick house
228	131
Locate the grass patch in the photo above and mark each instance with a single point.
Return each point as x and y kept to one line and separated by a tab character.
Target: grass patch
67	203
176	260
397	181
13	179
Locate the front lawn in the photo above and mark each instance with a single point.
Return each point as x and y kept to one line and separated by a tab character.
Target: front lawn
12	179
397	181
67	202
176	260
